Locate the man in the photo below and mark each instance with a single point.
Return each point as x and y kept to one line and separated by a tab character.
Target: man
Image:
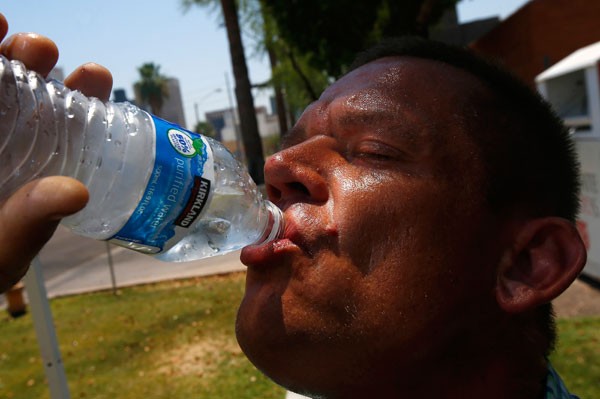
429	203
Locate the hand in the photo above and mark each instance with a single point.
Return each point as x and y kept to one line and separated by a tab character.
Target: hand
29	217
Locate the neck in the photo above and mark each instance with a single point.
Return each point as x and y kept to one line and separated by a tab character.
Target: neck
499	368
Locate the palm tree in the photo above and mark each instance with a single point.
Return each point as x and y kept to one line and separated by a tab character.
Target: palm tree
152	87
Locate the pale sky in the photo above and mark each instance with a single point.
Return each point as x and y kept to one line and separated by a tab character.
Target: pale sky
124	34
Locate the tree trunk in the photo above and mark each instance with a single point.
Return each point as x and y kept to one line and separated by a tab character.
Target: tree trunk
305	80
243	94
424	17
279	99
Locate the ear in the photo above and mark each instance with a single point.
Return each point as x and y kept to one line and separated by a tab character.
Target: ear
546	257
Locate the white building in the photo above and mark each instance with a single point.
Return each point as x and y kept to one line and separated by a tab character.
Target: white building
227	126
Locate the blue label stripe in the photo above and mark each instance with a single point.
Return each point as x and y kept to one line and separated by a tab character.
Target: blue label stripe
173	193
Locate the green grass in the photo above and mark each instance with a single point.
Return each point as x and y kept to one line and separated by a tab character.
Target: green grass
176	340
169	340
577	356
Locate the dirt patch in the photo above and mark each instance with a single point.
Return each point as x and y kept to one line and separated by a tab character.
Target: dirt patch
580	299
199	358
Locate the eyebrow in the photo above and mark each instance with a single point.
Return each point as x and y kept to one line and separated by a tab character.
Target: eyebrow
406	124
358	117
365	117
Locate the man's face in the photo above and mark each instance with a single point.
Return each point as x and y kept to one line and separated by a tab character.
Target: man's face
387	260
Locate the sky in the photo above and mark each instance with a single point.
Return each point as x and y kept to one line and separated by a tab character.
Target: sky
190	46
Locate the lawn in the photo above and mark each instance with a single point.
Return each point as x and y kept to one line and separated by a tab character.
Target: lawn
176	340
169	340
577	356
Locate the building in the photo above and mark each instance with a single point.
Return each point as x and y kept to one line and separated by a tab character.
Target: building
226	124
541	33
449	30
172	109
120	96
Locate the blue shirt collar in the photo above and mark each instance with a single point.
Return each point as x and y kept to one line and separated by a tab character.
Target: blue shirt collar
555	387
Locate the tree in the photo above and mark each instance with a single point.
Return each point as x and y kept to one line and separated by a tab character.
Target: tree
152	87
294	81
205	129
334	31
303	72
243	90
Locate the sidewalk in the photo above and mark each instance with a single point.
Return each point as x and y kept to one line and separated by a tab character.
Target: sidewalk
73	265
131	268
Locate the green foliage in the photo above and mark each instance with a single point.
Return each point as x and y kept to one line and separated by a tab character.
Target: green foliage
152	87
271	145
312	42
206	129
169	340
302	82
334	31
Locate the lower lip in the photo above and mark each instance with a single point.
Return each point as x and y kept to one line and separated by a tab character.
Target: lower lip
266	254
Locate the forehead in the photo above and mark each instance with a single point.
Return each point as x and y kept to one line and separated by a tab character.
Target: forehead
409	82
414	96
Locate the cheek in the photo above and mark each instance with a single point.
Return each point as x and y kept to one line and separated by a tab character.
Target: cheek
409	235
379	217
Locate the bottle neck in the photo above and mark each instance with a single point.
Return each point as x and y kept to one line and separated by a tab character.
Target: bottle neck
274	226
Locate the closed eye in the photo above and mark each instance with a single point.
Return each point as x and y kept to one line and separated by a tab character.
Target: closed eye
372	150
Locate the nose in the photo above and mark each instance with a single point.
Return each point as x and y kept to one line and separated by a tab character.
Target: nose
298	174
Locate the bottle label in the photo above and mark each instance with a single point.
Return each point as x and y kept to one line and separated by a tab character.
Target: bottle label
178	191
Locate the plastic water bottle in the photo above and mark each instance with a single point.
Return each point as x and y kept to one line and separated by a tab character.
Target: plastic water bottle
154	187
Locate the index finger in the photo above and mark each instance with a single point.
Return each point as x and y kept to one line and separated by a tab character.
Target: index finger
36	52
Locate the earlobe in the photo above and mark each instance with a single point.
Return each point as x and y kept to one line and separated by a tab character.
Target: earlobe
546	256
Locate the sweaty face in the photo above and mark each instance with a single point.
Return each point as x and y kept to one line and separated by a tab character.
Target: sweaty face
385	263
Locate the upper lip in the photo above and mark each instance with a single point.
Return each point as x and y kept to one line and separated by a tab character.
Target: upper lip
294	228
297	217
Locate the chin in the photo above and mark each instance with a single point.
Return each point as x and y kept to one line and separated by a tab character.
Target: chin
301	361
277	354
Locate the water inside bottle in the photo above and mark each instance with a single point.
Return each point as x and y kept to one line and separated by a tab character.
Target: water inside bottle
231	222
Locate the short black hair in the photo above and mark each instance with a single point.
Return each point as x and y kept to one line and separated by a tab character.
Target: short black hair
528	154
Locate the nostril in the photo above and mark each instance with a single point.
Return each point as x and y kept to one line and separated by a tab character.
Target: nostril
290	190
298	188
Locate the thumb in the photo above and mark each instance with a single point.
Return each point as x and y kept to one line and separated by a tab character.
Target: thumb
28	220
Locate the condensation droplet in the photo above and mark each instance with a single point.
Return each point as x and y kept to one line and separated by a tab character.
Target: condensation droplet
213	246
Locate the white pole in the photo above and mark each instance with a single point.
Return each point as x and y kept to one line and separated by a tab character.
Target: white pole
113	278
44	329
